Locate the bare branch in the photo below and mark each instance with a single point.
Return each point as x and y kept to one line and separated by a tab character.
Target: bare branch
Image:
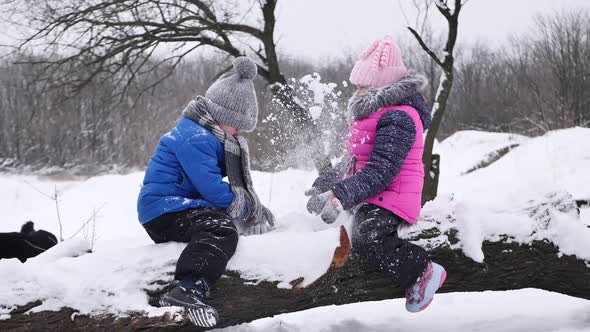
443	8
91	218
56	199
116	37
37	190
425	47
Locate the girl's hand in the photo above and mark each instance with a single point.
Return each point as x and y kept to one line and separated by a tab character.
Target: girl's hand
317	201
325	204
331	210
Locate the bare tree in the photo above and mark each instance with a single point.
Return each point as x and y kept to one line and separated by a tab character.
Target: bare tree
115	39
536	83
558	54
446	63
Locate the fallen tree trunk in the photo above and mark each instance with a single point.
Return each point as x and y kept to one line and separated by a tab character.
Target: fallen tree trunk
507	266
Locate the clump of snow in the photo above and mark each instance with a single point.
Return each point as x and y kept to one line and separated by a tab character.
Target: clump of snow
315	111
320	90
319	97
508	311
570	234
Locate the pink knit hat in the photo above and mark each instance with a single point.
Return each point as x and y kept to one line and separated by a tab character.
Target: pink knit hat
379	65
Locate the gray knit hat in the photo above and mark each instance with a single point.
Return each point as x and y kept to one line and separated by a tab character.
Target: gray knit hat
231	100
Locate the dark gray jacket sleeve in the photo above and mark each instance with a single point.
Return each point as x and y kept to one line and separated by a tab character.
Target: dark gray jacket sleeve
333	176
395	137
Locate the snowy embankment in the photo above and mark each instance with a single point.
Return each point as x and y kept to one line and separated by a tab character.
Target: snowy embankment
504	198
510	311
481	205
465	150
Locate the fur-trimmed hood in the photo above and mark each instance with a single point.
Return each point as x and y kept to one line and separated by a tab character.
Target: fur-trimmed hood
407	91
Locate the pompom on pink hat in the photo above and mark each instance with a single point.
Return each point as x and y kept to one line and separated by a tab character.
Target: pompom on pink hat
381	64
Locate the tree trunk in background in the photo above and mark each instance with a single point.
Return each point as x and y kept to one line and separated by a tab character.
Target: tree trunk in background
451	15
432	171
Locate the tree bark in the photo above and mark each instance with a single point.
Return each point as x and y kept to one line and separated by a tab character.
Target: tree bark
440	105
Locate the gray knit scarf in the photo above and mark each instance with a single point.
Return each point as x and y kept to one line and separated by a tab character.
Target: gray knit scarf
246	205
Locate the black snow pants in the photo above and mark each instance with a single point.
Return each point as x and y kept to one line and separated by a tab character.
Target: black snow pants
375	240
212	239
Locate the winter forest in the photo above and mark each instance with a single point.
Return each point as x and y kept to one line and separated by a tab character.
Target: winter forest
336	166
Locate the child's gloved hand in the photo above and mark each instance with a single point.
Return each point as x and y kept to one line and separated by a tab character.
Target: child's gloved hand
317	201
249	229
325	204
246	211
268	216
263	225
331	210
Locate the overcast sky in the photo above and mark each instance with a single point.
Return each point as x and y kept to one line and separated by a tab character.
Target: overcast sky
320	28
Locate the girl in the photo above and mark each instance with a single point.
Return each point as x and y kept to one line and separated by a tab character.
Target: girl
385	174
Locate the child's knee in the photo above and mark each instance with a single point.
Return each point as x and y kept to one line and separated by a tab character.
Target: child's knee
219	224
229	234
230	230
227	230
373	231
225	227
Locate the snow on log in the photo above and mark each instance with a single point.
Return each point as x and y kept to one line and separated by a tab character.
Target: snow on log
474	263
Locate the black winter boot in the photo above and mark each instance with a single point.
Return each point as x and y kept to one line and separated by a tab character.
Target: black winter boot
191	297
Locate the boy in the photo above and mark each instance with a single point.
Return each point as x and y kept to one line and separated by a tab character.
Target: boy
185	199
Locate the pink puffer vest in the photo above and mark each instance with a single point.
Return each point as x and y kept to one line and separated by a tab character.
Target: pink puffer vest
403	196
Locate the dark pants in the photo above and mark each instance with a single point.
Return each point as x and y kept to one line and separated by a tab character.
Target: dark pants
376	242
211	236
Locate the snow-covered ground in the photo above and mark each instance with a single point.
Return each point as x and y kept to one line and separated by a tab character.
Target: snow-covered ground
485	203
559	160
509	311
464	150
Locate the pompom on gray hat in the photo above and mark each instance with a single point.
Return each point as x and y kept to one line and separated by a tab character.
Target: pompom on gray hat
231	100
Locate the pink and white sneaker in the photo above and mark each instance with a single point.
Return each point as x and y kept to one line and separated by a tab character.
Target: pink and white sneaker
419	296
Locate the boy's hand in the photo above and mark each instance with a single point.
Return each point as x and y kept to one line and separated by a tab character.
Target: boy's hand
246	211
265	225
256	229
268	216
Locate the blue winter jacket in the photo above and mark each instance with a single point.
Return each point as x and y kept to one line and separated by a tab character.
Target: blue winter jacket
186	172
